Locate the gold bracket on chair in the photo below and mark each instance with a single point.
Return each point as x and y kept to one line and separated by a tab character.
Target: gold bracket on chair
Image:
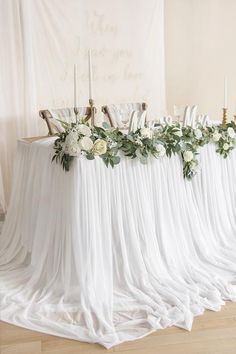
224	120
93	111
76	111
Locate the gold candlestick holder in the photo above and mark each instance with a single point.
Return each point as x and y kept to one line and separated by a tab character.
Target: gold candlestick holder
224	120
76	111
93	111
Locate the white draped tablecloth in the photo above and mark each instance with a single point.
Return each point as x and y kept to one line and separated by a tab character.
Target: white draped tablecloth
109	255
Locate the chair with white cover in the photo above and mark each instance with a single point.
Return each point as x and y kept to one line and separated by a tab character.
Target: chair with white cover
189	116
193	115
205	120
53	117
186	117
167	120
126	116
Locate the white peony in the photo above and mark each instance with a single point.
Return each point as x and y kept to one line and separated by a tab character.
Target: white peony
86	143
160	150
188	156
226	146
178	133
100	147
198	133
72	137
84	130
72	149
216	136
146	133
231	132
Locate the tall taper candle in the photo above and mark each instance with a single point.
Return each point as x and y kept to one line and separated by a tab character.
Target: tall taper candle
75	86
90	75
226	93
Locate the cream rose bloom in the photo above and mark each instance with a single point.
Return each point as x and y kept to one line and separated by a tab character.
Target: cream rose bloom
216	136
188	156
198	133
146	133
100	147
86	143
160	150
226	146
84	130
231	132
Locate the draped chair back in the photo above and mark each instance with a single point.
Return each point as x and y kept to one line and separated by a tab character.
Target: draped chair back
53	117
204	120
167	120
125	116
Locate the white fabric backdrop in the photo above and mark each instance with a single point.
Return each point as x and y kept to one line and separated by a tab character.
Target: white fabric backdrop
41	40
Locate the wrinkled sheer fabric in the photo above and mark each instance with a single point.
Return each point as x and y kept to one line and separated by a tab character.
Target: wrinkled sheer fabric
109	255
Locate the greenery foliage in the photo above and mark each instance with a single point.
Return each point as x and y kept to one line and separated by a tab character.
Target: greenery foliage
109	143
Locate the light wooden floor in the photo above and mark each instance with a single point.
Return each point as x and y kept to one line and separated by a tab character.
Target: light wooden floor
213	333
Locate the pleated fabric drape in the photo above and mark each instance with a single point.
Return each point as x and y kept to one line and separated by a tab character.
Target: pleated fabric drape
109	255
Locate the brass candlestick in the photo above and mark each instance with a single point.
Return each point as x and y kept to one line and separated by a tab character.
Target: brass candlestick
224	120
93	111
76	111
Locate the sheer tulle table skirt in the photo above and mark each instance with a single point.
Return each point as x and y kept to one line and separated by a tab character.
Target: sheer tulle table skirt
109	255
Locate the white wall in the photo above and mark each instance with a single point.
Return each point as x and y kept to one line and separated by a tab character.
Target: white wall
200	40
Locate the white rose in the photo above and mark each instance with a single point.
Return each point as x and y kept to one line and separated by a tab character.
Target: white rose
178	133
100	147
84	130
160	150
231	132
216	136
198	133
146	133
226	146
188	156
72	149
86	143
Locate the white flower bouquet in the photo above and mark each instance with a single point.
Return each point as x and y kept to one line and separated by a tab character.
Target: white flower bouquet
80	139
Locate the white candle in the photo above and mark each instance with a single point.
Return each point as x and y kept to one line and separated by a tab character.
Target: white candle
75	86
226	93
90	75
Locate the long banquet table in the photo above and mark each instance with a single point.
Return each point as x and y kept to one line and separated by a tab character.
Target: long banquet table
109	255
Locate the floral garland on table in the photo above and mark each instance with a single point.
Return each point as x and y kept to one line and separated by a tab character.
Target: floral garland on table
106	142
